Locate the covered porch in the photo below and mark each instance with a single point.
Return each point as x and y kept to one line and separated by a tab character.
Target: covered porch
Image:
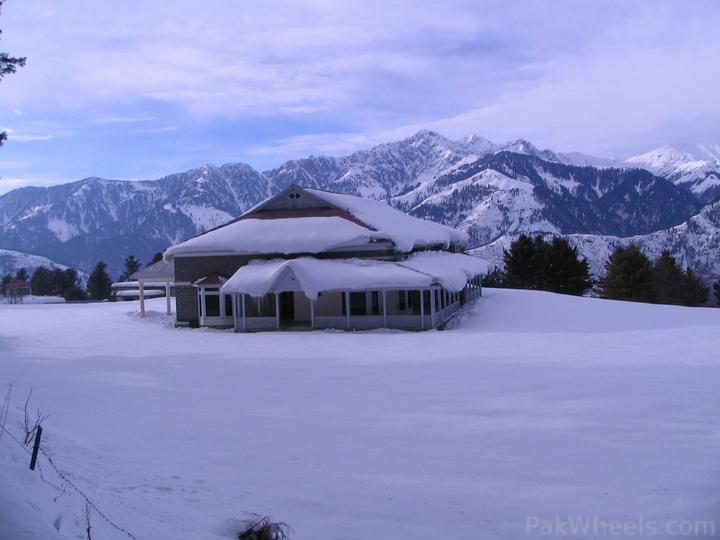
419	293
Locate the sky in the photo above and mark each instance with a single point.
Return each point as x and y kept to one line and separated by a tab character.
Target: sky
141	89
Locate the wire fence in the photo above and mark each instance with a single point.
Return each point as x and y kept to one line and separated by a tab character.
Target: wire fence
90	504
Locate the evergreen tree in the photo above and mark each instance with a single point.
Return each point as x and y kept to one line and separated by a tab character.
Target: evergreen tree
99	284
716	289
132	265
629	276
156	258
524	262
21	274
669	280
43	282
494	278
564	272
8	65
533	263
694	291
7	278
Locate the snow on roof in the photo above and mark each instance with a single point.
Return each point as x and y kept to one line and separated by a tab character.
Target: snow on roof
451	270
312	275
287	235
316	234
161	271
404	230
135	293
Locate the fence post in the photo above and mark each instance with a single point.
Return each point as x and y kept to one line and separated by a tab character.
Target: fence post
36	447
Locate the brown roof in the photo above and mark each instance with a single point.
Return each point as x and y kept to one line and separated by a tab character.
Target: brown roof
18	284
211	279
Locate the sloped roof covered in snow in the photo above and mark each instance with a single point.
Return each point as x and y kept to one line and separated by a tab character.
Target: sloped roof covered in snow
310	275
161	271
331	222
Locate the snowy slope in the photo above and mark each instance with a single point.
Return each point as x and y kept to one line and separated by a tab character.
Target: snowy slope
12	261
533	405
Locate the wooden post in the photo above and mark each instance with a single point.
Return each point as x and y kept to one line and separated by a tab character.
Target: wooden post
142	298
167	297
36	447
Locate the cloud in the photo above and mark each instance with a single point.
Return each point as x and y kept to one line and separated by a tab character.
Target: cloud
278	79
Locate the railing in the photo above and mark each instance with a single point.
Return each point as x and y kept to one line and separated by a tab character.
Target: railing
256	323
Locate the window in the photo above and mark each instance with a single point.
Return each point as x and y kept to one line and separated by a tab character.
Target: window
402	300
415	302
375	296
212	305
228	305
358	303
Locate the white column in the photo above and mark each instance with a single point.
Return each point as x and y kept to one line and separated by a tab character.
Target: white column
277	309
312	313
347	308
422	309
142	298
167	297
384	309
432	307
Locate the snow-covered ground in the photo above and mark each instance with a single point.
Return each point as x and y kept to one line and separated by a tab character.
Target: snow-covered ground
31	299
532	406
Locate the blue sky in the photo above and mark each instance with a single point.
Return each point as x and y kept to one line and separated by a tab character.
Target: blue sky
140	89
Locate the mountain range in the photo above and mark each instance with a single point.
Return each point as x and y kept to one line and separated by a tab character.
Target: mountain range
665	198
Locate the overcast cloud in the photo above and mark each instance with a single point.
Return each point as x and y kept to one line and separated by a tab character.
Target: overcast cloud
140	89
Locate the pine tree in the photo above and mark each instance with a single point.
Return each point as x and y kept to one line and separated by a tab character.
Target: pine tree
716	290
7	278
533	263
564	272
629	276
132	265
21	274
524	263
694	291
99	284
669	280
493	278
43	282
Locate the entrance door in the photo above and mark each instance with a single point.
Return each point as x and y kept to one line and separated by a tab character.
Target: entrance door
287	307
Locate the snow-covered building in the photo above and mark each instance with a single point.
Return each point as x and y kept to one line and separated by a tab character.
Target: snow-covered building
317	259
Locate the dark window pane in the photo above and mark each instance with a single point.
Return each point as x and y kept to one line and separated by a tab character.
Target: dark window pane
375	303
212	305
415	302
228	305
401	301
358	305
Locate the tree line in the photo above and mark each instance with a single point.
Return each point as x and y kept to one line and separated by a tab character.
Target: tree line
556	266
68	285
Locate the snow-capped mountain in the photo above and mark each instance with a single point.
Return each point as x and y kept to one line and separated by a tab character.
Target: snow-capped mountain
694	242
494	191
695	167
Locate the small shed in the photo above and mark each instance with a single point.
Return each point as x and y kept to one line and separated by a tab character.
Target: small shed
16	290
159	272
